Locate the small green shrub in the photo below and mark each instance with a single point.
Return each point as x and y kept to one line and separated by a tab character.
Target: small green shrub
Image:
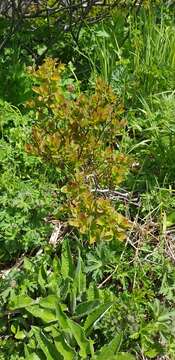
78	136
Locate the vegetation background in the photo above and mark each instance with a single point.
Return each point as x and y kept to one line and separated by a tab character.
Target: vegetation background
87	169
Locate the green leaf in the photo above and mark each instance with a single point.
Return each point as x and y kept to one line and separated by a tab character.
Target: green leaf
75	330
20	301
120	356
73	300
79	335
102	33
65	288
46	345
56	265
46	315
42	278
26	351
79	283
20	335
86	308
27	264
111	349
93	292
65	350
41	49
32	356
49	301
170	219
95	316
62	318
67	265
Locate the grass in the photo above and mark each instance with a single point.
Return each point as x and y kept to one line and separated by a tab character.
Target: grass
144	62
153	55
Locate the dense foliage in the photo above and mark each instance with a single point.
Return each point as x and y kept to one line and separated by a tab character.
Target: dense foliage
87	160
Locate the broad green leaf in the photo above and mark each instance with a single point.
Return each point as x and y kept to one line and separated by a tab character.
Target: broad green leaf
170	219
65	350
56	265
79	335
152	353
26	351
42	278
95	316
46	315
86	308
20	335
49	302
46	346
77	278
67	266
73	300
13	328
75	330
65	288
32	356
114	344
92	292
20	301
62	318
109	350
79	283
